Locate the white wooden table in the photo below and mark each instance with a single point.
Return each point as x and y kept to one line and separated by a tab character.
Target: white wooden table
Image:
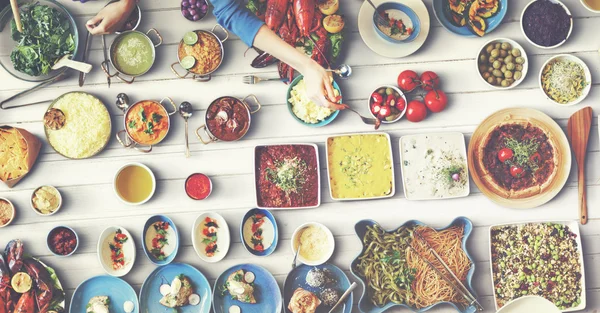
91	205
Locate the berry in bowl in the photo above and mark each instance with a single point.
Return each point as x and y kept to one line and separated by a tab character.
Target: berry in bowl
194	10
404	24
387	103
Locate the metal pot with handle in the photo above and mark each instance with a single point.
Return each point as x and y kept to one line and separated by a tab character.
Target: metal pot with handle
227	119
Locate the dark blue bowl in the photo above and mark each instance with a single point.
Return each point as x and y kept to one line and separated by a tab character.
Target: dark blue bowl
406	10
175	241
271	218
366	306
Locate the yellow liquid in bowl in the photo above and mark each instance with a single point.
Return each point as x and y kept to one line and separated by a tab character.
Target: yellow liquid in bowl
134	184
593	4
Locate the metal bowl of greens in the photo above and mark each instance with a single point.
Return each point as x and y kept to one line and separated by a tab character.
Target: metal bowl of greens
30	55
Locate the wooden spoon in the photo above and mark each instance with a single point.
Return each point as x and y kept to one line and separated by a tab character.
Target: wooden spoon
15	9
578	130
65	61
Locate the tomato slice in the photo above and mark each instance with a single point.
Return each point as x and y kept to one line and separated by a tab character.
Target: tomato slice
505	154
516	172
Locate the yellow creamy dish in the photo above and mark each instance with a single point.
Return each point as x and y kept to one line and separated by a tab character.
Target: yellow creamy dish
360	166
314	243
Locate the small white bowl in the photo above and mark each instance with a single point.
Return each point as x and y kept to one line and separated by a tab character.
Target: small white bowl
60	201
396	89
585	5
14	212
104	252
330	238
514	44
223	237
151	175
560	43
586	70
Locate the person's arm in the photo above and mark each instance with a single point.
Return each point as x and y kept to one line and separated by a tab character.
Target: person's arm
232	15
111	17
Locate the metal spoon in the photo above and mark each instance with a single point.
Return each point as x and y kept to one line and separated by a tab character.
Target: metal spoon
186	111
344	296
343	71
366	120
296	256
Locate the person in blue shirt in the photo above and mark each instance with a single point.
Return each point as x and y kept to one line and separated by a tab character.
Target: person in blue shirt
233	15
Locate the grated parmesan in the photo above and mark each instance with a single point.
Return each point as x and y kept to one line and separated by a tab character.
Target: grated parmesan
563	81
87	127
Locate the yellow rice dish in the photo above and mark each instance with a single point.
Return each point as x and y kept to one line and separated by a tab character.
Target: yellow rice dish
86	128
360	166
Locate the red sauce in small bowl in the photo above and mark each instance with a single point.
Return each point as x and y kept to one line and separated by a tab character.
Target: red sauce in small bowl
62	241
198	186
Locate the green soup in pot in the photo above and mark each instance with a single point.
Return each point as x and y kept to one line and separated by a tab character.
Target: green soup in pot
133	53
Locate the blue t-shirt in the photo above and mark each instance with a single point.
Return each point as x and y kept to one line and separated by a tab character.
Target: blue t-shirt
235	17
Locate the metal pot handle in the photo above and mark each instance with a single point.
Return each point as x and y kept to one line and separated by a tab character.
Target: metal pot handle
117	75
177	73
202	79
148	150
172	103
253	97
212	139
160	38
125	143
223	29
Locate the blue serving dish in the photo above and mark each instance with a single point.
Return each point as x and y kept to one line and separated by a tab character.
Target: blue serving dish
441	11
271	218
297	279
150	292
366	306
324	122
117	290
171	257
416	22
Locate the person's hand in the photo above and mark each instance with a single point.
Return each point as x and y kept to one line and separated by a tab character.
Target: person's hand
319	86
111	18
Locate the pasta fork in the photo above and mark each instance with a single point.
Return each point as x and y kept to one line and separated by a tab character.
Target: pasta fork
252	79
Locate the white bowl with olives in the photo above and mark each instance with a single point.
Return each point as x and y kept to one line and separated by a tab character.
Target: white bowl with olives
502	63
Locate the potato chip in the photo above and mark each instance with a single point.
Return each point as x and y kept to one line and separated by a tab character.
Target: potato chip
13	154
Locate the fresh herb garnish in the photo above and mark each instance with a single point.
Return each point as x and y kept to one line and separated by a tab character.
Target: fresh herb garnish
522	153
131	124
150	130
156	117
289	175
143	115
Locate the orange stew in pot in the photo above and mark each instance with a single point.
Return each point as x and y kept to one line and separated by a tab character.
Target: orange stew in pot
228	119
147	122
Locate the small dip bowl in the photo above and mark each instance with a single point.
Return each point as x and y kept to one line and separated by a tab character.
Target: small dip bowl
130	175
62	231
400	12
172	238
270	232
396	91
11	208
587	6
223	235
513	44
198	186
317	231
547	47
586	70
40	192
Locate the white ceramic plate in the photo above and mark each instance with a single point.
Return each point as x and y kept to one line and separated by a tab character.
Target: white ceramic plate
104	252
223	237
529	304
586	70
574	227
414	163
383	47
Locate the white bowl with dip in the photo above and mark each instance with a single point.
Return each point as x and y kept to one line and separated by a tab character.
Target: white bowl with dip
58	199
132	180
317	239
104	251
13	212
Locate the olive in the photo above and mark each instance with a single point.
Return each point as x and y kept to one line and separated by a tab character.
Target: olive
389	91
490	69
508	74
483	68
519	67
498	80
487	75
491	80
510	66
520	60
516	52
497	73
503	53
483	58
504	83
503	68
495	53
509	59
489	48
491	59
506	46
381	91
500	59
510	81
518	75
497	64
498	45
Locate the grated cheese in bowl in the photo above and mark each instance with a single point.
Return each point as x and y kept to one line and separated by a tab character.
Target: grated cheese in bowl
304	108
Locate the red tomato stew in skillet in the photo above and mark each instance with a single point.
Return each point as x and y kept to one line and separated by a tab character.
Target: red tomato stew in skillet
228	119
287	176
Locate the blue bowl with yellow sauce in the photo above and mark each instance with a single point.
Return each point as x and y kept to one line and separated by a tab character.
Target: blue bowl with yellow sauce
321	122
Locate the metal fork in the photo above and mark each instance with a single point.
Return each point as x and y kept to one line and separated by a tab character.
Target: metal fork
366	120
251	79
378	16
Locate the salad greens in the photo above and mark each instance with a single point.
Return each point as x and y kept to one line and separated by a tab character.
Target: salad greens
46	37
336	44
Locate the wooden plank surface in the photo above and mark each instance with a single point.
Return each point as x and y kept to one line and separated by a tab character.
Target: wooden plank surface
90	203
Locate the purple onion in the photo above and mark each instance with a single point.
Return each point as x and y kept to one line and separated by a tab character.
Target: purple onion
456	177
185	4
185	13
196	17
203	8
192	12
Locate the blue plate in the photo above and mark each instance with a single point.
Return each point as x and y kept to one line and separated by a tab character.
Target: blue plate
115	288
324	122
442	13
366	306
266	292
406	10
149	222
150	292
271	218
297	279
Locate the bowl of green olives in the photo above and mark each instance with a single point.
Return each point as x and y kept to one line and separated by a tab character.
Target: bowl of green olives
502	63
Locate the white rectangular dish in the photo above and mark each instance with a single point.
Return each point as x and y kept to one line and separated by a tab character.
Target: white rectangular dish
544	255
434	166
365	164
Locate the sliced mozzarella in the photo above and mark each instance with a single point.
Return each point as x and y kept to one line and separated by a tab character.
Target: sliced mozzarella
194	299
175	286
249	277
128	306
165	289
235	309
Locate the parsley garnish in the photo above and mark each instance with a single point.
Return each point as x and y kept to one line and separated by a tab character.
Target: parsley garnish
131	124
522	152
156	117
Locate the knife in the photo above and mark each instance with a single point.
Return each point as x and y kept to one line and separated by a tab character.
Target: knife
85	55
106	58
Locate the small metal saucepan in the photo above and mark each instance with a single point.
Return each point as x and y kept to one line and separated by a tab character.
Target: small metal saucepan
227	119
113	52
131	126
195	74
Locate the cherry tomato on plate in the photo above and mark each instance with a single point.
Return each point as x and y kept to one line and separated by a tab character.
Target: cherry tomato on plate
516	171
436	101
430	80
385	111
416	111
408	80
376	97
536	157
390	100
375	108
505	154
400	104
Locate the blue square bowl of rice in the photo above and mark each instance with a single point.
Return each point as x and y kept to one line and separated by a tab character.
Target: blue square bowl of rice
306	111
